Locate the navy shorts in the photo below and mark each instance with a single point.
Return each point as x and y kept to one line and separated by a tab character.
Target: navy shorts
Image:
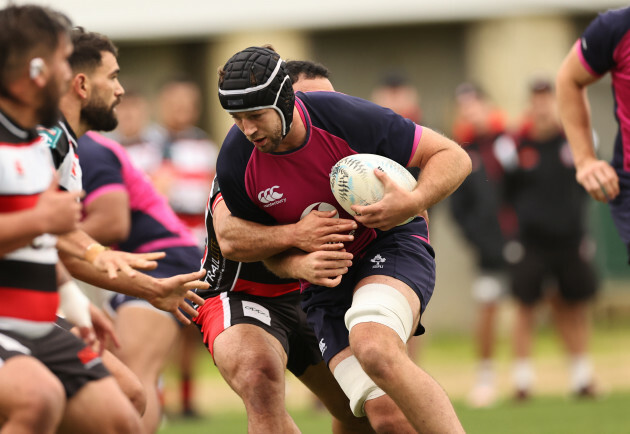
402	252
620	210
67	356
178	260
565	264
282	317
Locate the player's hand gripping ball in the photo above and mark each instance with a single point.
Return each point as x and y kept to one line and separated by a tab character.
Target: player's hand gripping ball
353	182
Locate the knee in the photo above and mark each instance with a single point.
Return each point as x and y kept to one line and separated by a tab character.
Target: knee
377	360
260	381
138	397
44	405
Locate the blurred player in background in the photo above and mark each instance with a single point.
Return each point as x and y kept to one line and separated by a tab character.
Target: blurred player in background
123	210
603	47
478	207
551	212
308	76
65	383
184	177
133	119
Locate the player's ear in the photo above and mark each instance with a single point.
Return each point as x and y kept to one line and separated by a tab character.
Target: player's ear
37	71
80	85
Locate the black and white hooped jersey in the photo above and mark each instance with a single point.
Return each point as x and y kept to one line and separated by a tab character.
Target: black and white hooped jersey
28	282
63	146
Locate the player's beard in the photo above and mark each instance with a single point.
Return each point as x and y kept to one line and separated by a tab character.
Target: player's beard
48	113
275	139
98	116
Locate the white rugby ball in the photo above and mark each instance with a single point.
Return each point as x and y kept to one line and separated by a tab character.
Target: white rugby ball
353	182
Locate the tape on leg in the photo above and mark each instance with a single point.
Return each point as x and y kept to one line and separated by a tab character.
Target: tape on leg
356	384
382	304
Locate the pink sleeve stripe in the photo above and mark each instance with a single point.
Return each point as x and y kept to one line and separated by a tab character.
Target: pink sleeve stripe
416	140
101	191
165	243
578	49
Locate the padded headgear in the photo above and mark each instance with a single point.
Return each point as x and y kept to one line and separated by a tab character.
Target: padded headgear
257	78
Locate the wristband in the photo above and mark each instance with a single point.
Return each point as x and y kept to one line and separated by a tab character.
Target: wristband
92	251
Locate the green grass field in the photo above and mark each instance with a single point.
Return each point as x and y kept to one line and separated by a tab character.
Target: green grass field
449	358
546	415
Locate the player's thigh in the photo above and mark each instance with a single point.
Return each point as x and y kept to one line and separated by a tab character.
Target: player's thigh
243	349
128	381
100	406
26	384
146	336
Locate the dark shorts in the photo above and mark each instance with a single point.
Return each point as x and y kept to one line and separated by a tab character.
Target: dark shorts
620	211
178	260
281	316
565	264
402	253
67	356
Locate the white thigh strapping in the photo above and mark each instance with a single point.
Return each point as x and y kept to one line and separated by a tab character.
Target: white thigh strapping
376	302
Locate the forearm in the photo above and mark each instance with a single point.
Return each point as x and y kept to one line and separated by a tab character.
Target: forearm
576	119
75	243
285	264
441	175
141	285
18	229
245	241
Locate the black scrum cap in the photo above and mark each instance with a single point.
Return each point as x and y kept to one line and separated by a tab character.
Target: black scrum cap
257	78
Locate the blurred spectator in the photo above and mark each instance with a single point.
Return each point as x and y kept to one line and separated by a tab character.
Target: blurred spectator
189	157
550	207
395	92
185	178
478	207
133	119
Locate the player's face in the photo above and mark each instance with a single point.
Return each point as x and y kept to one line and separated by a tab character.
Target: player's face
261	127
106	92
543	106
59	79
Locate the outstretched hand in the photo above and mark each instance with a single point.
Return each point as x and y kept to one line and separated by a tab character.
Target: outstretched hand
112	261
174	291
396	206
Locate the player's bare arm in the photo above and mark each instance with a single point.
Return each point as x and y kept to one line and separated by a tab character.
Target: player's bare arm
107	222
56	212
597	176
324	268
166	294
246	241
444	166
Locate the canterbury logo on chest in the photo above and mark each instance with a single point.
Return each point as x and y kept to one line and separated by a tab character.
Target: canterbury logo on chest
271	196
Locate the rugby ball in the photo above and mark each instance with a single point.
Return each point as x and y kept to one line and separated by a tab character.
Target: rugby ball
353	182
